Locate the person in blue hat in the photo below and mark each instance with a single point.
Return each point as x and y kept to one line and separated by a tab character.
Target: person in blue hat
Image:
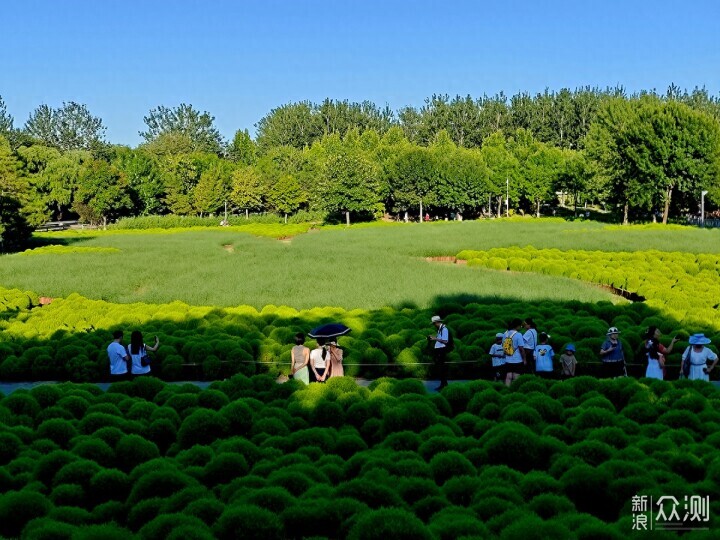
568	362
696	356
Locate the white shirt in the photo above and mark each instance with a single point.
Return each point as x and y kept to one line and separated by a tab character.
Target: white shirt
497	349
137	367
699	358
442	333
117	354
518	342
530	339
317	359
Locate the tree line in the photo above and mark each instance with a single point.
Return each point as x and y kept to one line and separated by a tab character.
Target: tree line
638	153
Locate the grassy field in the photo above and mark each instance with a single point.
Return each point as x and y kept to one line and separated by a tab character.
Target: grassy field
359	267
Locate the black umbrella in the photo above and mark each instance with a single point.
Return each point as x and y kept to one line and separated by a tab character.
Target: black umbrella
329	331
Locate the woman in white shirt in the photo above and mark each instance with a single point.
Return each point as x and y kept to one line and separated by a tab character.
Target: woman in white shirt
138	350
320	362
698	355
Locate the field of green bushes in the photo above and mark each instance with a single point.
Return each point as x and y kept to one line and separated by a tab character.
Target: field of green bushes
248	458
251	458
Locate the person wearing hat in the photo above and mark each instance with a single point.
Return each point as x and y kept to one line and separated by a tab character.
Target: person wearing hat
440	349
612	355
697	356
497	354
336	358
568	362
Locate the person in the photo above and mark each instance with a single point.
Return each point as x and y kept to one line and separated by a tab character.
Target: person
439	350
530	337
137	351
497	354
300	356
697	355
655	360
568	362
612	355
336	358
664	351
119	358
319	361
513	346
544	358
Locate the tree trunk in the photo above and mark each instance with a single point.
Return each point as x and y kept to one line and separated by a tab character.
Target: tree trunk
104	223
626	210
499	210
247	213
286	218
537	208
347	218
668	196
421	213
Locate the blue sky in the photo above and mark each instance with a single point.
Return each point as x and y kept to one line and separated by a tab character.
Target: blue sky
238	60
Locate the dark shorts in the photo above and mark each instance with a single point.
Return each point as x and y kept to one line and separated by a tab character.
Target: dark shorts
517	367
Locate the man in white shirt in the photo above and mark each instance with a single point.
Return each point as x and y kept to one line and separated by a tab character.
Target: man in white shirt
440	349
118	356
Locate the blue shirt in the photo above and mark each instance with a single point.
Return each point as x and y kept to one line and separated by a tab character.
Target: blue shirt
442	334
544	358
614	356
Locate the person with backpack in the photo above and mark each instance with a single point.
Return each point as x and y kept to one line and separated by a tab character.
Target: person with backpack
612	355
513	346
695	359
443	344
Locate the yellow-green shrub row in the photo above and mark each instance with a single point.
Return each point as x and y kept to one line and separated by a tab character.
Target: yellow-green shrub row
684	286
61	250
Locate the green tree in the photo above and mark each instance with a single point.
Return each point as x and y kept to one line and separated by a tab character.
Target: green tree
14	195
144	178
6	120
213	189
184	120
57	181
243	149
294	124
351	183
102	193
247	189
412	177
285	195
502	169
70	127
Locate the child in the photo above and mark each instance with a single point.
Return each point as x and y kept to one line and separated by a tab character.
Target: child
498	356
544	358
568	362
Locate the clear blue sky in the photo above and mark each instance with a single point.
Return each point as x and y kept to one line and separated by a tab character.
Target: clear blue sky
238	60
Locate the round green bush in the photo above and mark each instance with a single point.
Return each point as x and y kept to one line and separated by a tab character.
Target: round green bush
109	484
58	430
371	493
388	523
225	468
132	450
454	522
48	529
17	508
413	489
10	446
427	507
202	427
21	403
248	522
160	484
275	499
79	472
446	465
68	495
239	417
206	509
163	433
95	450
143	511
102	532
162	526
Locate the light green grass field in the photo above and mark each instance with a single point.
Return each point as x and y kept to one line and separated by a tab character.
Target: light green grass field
360	267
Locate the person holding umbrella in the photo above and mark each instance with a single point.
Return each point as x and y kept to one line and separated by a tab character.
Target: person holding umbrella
440	349
327	361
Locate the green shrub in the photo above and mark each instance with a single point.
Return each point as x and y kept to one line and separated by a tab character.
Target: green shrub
80	472
109	484
549	505
371	493
95	450
159	484
17	508
163	525
202	427
144	511
388	523
446	465
57	430
68	495
224	468
250	522
132	450
102	532
453	522
48	529
206	509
